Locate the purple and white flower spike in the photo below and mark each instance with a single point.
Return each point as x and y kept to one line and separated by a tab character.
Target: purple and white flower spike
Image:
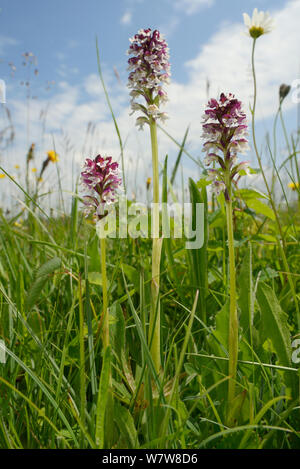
100	177
149	71
225	130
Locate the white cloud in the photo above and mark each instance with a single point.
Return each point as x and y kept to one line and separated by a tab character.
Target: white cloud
6	41
192	6
126	18
224	60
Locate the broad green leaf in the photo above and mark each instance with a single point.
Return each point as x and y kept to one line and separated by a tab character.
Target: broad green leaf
275	327
260	208
250	194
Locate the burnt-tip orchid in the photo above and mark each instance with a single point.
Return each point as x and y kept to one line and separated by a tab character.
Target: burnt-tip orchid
100	178
149	71
224	130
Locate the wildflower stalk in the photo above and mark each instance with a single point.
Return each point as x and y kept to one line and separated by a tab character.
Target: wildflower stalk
104	294
233	319
225	130
154	330
100	177
281	241
82	357
149	71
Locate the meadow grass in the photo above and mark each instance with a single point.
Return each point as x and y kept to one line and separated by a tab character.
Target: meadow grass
55	389
72	379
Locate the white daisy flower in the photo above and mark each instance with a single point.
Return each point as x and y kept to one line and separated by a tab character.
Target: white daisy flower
260	23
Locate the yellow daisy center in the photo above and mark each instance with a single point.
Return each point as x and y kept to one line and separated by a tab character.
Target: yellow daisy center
256	31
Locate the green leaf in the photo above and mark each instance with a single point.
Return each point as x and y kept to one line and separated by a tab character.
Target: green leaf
250	194
125	422
246	294
222	325
198	257
133	275
102	398
117	328
167	242
40	278
275	327
260	208
203	183
96	279
179	157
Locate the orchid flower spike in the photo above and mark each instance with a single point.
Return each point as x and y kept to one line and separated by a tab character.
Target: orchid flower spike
149	71
100	178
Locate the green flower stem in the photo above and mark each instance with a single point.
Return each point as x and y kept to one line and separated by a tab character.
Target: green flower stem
281	242
82	356
233	319
104	294
154	328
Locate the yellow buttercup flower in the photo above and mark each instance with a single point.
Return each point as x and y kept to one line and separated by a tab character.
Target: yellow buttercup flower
2	176
19	223
53	156
34	170
294	185
17	166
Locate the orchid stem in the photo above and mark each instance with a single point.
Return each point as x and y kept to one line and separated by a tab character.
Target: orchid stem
154	327
104	294
233	319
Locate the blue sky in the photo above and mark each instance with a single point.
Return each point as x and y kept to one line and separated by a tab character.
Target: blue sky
62	32
206	41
